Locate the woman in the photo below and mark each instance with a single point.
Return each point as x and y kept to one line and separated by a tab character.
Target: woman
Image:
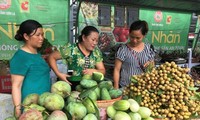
133	57
82	57
29	71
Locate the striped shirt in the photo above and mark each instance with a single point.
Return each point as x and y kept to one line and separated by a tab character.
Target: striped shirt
132	61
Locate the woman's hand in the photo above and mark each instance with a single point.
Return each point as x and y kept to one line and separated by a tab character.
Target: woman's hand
148	63
89	71
149	66
64	77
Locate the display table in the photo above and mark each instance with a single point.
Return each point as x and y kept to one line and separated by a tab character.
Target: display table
6	106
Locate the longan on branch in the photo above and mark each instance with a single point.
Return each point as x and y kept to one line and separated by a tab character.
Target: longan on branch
165	91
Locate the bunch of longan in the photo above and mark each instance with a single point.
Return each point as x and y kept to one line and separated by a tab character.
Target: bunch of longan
167	90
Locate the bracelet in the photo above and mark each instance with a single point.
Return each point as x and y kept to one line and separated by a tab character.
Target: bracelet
17	106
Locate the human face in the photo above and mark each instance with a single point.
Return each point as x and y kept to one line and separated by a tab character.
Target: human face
36	38
136	37
91	41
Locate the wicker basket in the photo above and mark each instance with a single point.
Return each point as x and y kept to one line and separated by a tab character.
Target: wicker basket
106	103
103	104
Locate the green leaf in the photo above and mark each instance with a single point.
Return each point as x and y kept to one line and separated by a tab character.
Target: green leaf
160	92
134	80
138	98
96	109
196	96
193	88
193	98
87	92
151	91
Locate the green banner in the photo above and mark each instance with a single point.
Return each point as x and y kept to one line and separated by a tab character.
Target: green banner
52	14
167	30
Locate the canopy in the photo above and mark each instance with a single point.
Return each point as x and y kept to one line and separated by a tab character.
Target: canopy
175	5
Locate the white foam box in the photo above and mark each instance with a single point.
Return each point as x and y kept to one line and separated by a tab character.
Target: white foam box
6	106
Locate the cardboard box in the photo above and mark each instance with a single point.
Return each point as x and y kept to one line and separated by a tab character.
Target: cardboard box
6	106
5	84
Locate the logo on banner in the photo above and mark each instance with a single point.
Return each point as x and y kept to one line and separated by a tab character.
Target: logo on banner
24	6
5	4
158	16
169	19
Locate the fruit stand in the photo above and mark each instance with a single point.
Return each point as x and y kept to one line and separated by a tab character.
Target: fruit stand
167	92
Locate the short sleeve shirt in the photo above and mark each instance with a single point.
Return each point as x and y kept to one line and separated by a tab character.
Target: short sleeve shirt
35	70
132	61
77	61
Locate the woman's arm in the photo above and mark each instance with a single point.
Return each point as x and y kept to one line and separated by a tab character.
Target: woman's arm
116	73
53	57
17	81
100	67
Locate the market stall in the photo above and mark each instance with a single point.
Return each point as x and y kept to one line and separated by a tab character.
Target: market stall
167	91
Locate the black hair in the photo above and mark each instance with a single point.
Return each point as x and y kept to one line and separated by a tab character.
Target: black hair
27	26
86	31
140	24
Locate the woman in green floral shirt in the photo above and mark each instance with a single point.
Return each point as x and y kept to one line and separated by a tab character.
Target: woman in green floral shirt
83	57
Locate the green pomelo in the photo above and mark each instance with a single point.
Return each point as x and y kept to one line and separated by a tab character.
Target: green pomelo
144	112
106	84
57	115
111	111
135	116
62	88
87	83
54	102
31	114
115	93
134	106
34	106
79	88
77	110
120	115
42	98
87	77
98	76
73	97
121	105
30	99
90	116
98	93
93	95
90	105
105	94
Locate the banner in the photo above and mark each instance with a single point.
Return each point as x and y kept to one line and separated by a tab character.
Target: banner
89	15
167	30
52	14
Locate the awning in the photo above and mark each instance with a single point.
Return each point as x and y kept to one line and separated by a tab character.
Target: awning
192	6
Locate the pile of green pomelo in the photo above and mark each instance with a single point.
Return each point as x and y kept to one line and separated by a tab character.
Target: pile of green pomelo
64	104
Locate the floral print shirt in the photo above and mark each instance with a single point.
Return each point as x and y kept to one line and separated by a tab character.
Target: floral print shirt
77	61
